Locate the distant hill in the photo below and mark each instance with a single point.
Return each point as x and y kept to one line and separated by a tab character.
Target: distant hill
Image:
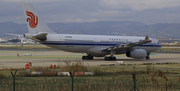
158	30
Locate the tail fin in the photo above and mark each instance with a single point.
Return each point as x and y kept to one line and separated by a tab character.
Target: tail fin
34	22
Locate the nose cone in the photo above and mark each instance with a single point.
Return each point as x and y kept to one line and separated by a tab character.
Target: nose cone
157	42
155	45
158	45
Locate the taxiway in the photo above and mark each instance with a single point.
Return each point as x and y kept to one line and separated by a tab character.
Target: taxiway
9	58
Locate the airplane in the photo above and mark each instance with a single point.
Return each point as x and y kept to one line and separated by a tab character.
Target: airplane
92	45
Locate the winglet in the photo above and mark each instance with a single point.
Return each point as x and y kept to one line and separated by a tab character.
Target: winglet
147	38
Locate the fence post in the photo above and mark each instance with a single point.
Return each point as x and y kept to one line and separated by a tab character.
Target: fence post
13	79
72	75
134	79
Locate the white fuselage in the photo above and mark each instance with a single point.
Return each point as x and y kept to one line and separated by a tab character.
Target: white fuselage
82	43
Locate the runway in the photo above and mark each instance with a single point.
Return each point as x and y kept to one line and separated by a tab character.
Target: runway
45	58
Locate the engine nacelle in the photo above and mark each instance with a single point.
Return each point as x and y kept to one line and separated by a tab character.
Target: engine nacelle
137	53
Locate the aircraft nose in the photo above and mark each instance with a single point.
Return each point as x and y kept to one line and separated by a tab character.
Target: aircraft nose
159	45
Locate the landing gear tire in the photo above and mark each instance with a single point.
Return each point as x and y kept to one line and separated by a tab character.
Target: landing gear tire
110	58
83	57
87	57
148	57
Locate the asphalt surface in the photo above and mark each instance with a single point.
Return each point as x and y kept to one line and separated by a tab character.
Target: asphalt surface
47	57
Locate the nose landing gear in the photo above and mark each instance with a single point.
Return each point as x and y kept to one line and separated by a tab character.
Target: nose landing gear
147	57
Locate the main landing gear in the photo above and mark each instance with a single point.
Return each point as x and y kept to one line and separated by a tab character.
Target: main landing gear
89	57
147	57
110	58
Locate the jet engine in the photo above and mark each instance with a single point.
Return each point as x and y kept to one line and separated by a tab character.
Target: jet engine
137	53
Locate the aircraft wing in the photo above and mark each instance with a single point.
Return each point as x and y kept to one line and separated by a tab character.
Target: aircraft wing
129	45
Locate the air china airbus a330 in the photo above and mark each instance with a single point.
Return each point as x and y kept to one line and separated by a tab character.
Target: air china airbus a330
92	45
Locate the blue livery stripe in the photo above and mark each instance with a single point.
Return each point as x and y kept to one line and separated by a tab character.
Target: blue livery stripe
98	44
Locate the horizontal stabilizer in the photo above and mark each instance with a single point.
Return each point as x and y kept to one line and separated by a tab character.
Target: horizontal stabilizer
19	35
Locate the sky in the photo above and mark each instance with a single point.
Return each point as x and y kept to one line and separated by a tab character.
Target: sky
145	11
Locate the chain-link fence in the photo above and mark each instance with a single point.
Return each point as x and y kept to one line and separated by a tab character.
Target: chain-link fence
91	83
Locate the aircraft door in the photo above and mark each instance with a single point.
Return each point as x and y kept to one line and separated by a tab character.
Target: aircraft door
61	38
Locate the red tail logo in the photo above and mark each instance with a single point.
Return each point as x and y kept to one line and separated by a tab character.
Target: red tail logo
33	20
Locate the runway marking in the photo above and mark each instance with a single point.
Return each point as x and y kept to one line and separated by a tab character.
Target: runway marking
33	57
153	54
45	56
50	56
21	52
